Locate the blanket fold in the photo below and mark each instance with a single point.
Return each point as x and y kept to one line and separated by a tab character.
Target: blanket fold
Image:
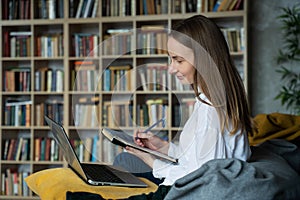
268	175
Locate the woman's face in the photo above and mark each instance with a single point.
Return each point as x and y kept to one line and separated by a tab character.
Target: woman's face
181	61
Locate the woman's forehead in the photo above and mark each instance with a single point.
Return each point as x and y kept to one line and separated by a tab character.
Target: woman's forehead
175	47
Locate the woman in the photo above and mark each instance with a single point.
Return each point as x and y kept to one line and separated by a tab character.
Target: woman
220	121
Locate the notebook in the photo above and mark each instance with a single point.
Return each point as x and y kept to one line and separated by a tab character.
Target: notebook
123	139
93	174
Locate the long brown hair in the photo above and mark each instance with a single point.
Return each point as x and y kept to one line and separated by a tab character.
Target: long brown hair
215	73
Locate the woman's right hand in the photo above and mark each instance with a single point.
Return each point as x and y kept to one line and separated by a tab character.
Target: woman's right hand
150	141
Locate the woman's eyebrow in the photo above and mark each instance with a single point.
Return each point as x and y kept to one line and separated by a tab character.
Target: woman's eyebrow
175	56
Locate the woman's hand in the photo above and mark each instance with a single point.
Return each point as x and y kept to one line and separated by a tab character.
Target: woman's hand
150	141
146	157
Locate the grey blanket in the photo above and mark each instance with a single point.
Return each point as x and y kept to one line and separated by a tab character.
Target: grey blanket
271	173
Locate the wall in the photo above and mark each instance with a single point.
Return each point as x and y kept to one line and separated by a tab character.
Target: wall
264	42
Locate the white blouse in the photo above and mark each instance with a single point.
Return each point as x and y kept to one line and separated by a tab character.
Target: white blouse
201	140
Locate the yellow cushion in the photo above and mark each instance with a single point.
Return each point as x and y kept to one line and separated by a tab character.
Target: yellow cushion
54	184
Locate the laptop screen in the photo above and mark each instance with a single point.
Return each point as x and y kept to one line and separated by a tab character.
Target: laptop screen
62	139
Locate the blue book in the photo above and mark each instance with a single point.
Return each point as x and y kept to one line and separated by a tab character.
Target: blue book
95	149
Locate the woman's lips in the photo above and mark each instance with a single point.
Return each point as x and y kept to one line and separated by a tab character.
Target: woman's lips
180	77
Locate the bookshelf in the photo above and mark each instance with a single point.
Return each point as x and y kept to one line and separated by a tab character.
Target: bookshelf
115	51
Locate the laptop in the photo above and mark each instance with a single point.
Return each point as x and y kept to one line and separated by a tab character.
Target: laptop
93	174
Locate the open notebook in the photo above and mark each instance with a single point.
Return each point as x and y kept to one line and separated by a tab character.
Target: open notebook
123	139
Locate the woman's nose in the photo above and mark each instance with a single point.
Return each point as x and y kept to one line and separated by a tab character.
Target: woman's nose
172	69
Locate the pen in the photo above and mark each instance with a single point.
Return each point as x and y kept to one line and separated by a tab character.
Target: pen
153	125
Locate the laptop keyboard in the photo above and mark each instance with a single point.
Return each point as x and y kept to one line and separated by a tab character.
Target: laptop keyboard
101	173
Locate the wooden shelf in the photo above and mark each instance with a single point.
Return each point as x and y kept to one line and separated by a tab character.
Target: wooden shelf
70	99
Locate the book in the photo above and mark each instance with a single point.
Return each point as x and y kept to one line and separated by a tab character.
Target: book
123	139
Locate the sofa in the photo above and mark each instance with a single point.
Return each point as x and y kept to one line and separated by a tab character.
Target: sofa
272	172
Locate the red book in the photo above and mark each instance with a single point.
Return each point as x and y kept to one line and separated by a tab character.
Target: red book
6	44
12	146
48	149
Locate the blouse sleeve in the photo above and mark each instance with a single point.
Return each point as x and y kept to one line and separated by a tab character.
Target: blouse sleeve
198	145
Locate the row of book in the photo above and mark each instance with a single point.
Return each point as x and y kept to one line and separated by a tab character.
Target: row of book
116	8
84	76
52	108
227	5
83	8
85	44
117	78
181	112
142	116
17	149
153	77
50	80
13	183
117	114
152	111
178	86
17	79
53	9
152	40
49	9
87	149
50	45
86	112
46	149
157	109
152	7
198	6
46	79
235	38
15	9
17	44
17	112
117	42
